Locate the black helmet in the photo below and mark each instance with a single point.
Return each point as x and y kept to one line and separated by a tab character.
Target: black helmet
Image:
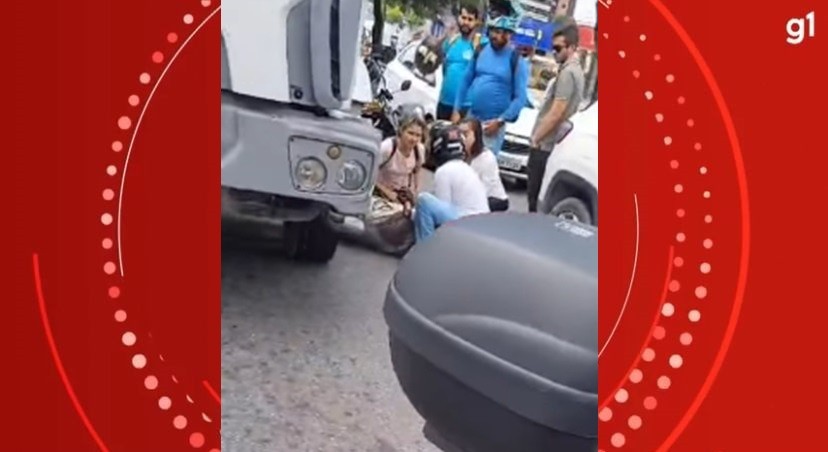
429	55
446	143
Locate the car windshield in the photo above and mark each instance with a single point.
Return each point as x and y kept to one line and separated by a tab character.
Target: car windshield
406	57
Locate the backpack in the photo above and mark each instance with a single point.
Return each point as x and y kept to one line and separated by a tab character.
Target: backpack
388	228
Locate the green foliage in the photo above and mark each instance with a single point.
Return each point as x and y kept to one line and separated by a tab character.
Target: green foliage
421	9
414	20
394	14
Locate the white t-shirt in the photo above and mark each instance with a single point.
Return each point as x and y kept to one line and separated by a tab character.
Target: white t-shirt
458	184
485	165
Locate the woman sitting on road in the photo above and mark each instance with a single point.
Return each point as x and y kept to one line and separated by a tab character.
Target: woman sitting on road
458	191
484	163
400	161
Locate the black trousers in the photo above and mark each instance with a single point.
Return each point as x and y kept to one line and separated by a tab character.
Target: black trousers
498	205
535	167
444	112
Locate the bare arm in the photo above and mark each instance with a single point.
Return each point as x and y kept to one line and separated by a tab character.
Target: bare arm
565	88
550	121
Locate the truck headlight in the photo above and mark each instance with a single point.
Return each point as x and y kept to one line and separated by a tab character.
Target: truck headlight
310	173
351	176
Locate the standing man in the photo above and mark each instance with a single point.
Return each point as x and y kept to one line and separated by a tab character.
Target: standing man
495	83
561	102
459	51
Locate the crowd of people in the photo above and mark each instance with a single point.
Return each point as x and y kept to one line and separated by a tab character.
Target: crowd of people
485	87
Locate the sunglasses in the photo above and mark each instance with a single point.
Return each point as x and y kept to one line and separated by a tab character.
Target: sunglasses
558	48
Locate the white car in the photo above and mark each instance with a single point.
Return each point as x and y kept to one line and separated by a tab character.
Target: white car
570	183
514	155
424	91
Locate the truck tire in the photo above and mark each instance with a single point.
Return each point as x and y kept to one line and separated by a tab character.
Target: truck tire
312	241
572	209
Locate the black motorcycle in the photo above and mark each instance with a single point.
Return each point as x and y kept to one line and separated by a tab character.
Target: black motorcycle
383	116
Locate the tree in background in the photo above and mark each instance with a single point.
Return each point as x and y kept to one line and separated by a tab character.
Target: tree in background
395	15
379	24
411	12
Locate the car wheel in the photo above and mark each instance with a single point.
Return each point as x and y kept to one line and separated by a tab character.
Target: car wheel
572	209
313	241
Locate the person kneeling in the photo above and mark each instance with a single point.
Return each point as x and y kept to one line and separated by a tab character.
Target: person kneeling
458	191
484	163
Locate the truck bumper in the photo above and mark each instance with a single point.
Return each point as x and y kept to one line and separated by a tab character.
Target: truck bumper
262	142
270	209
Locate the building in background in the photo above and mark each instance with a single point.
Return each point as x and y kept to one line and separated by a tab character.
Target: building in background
539	10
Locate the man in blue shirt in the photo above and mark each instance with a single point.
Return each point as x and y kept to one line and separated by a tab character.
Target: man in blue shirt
459	51
495	84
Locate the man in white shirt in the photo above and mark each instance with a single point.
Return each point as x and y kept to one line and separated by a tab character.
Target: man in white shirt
458	191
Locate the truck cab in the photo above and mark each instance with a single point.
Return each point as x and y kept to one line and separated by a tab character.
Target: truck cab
293	152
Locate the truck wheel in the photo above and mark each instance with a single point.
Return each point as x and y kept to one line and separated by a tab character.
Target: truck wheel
572	209
313	241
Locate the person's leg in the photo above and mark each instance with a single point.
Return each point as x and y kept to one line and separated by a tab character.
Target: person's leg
429	213
495	142
536	167
498	205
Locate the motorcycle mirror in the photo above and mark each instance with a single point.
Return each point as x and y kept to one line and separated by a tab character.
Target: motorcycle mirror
406	85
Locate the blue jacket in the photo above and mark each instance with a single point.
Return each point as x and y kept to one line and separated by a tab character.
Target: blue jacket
491	88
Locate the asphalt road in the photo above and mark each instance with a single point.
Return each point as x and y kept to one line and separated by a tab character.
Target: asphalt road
305	359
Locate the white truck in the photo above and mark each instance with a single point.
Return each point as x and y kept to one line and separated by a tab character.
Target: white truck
292	151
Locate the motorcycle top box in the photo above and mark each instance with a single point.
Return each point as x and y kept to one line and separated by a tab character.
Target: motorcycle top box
493	329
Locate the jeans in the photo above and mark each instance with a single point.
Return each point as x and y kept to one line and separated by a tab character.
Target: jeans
430	213
535	167
495	142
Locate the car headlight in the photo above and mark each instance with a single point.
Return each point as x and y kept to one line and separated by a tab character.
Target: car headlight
351	176
310	173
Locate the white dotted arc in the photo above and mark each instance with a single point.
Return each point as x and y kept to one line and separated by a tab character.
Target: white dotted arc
667	309
129	339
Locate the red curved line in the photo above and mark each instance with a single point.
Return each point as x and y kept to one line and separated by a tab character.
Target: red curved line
56	357
745	251
637	360
212	391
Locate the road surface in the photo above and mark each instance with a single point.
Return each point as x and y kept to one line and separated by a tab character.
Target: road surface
305	360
